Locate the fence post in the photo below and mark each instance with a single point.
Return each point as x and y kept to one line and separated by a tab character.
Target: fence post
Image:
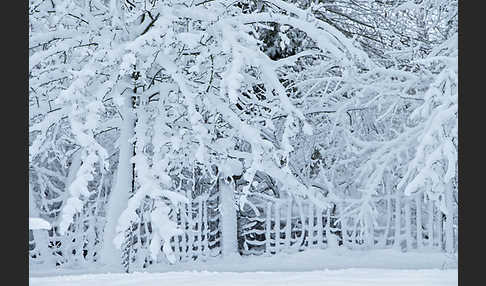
320	238
328	226
310	225
183	214
268	228
418	216
199	221
398	223
277	226
302	223
439	222
449	221
344	224
288	226
205	228
384	241
430	224
408	224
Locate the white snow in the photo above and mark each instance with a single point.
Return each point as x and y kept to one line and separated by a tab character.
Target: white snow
228	220
38	223
120	193
164	229
340	131
309	260
346	277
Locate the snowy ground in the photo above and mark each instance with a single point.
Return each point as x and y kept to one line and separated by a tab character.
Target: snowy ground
309	260
329	267
345	277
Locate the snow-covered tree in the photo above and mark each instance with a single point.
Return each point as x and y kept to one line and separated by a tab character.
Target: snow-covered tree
141	111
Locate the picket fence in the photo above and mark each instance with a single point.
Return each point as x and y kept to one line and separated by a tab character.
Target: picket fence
295	224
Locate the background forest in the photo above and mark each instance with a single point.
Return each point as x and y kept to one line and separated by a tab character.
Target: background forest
168	131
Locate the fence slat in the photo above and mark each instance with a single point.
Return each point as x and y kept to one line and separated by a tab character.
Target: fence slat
199	221
418	216
277	227
430	224
344	224
438	223
320	229
183	213
205	225
408	224
328	226
288	225
310	224
268	228
398	223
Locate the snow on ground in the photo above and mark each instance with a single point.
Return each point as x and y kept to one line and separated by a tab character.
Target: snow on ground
345	277
318	259
309	260
329	267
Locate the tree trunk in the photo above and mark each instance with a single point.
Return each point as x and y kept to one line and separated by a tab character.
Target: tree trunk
120	193
228	219
449	221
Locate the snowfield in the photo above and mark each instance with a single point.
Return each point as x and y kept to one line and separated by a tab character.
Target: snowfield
346	277
306	261
329	267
